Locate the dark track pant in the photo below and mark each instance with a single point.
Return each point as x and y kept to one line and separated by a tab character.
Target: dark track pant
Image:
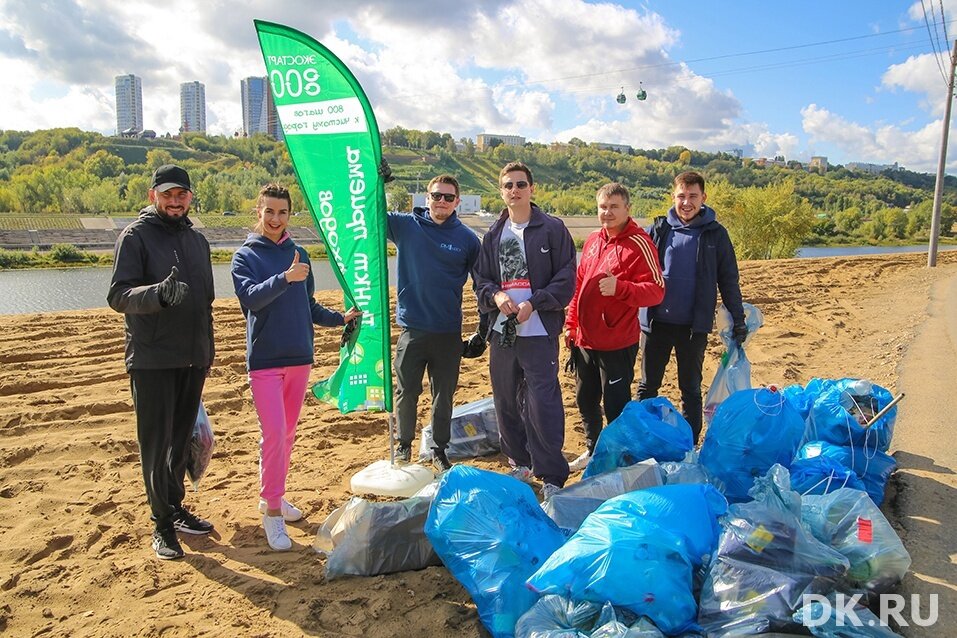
528	405
439	353
689	347
166	403
602	377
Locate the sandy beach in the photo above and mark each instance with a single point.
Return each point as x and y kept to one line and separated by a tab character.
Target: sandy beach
74	535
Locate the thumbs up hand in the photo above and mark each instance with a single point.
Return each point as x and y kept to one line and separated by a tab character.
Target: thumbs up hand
171	291
296	271
608	284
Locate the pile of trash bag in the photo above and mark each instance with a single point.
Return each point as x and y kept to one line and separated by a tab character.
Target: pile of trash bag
638	551
765	563
362	538
649	429
492	534
752	430
474	432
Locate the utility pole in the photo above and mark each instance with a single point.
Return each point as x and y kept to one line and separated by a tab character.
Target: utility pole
939	185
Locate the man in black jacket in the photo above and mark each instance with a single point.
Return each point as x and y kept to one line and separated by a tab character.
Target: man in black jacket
697	260
163	284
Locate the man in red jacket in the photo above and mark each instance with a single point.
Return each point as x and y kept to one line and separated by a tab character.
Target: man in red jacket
618	274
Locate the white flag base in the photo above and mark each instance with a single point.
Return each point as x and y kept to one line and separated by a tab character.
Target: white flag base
382	478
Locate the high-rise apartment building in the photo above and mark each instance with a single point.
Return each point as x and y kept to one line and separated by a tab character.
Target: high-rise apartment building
192	107
259	110
129	104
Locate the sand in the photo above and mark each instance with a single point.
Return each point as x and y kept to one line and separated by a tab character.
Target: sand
74	535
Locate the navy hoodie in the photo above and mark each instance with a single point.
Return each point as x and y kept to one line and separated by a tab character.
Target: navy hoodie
434	262
279	314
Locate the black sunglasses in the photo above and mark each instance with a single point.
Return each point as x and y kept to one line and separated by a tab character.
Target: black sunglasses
519	185
449	197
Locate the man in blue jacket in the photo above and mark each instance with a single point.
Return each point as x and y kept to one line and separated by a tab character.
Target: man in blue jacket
697	260
436	253
524	278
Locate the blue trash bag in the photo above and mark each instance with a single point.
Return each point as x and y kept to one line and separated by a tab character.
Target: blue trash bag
850	522
873	467
734	371
765	563
752	430
649	429
838	415
802	397
821	618
638	551
822	475
491	533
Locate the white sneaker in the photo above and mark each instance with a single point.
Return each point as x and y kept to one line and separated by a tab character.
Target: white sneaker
290	512
276	534
522	472
580	463
548	490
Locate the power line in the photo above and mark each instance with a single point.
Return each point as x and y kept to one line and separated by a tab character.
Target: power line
933	44
943	22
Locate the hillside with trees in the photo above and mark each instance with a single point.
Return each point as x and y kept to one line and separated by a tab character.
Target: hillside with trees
770	210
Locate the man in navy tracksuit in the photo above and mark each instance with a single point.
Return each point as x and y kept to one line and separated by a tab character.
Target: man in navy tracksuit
524	278
436	253
697	260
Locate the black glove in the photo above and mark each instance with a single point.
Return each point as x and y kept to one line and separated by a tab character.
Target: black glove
473	347
347	331
739	333
509	331
572	364
172	292
385	171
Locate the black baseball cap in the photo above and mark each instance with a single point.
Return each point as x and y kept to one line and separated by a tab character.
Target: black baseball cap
170	176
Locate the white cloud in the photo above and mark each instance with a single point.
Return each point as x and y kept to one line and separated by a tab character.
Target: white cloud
916	150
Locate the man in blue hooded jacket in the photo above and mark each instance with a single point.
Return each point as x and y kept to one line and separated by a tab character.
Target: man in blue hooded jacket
697	260
436	253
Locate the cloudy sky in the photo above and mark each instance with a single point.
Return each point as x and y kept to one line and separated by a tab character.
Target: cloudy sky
855	80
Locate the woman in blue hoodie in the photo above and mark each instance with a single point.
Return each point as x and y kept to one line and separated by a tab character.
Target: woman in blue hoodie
273	281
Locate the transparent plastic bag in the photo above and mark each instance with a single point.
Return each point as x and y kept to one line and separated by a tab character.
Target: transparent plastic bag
850	522
766	561
734	371
363	538
571	505
473	432
201	446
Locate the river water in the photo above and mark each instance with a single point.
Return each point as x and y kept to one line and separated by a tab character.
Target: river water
52	289
49	290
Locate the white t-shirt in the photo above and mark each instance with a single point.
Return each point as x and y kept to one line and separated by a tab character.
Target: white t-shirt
514	268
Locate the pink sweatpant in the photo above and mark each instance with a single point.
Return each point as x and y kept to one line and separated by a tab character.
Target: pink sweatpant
278	394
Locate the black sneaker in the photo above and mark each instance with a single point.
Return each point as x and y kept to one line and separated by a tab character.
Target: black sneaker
188	523
440	461
166	545
403	453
